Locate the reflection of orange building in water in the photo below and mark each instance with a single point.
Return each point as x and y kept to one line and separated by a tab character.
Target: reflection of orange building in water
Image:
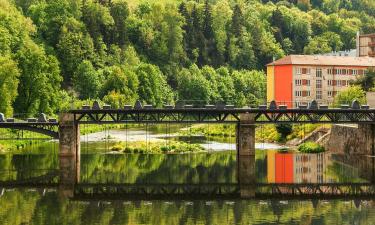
280	167
295	168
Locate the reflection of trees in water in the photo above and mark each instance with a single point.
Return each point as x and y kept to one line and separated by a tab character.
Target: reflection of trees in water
24	166
32	208
159	168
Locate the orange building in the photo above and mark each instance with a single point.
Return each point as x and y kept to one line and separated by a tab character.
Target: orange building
298	79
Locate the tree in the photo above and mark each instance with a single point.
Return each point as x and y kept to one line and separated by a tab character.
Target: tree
348	95
367	81
221	14
325	43
250	87
73	47
121	81
119	13
153	87
115	100
284	130
86	80
39	81
192	85
9	74
98	22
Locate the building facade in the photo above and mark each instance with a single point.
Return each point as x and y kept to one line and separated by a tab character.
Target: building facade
298	79
366	45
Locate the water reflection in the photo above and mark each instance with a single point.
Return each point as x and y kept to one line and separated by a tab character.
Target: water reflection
33	207
46	204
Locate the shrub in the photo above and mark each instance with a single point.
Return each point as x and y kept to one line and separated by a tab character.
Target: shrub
310	147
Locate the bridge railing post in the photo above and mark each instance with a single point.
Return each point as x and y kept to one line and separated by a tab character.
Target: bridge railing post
246	154
69	153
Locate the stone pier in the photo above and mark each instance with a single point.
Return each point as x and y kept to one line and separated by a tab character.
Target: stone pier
246	155
69	154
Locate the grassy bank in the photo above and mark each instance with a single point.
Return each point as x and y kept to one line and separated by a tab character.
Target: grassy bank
157	147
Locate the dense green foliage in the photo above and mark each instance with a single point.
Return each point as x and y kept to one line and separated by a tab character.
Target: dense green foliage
350	94
56	52
310	147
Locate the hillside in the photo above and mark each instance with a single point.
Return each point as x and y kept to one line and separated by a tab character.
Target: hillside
57	52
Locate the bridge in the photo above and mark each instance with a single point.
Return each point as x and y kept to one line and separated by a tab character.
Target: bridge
245	119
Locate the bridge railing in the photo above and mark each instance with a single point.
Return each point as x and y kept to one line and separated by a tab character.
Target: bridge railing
193	104
27	118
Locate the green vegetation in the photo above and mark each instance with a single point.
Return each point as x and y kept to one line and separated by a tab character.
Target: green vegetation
62	53
310	147
157	147
350	94
264	133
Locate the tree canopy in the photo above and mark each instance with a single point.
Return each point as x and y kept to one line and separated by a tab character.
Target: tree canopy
119	51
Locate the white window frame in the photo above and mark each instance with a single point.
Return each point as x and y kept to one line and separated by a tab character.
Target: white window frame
319	94
299	70
319	72
319	84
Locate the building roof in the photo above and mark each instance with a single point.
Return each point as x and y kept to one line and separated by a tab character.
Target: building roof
367	35
322	60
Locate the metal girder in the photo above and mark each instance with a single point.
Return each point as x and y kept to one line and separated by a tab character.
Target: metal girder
262	116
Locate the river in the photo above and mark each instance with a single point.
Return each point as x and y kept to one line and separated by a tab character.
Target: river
44	205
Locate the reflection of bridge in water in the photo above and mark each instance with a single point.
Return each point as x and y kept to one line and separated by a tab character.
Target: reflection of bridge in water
244	118
94	192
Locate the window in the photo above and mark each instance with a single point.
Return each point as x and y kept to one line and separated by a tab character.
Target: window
330	71
299	70
298	82
355	72
305	93
339	71
318	83
298	93
306	82
329	93
319	72
319	95
308	71
329	82
339	83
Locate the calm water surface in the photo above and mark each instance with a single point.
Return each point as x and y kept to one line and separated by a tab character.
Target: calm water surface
46	205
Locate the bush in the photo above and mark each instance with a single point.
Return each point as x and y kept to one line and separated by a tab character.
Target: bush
311	147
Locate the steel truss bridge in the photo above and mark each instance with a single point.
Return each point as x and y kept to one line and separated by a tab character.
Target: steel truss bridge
205	115
186	114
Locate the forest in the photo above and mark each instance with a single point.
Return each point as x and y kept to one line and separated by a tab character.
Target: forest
55	54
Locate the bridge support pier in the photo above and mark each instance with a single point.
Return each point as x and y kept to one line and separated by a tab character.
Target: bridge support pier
69	154
246	155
